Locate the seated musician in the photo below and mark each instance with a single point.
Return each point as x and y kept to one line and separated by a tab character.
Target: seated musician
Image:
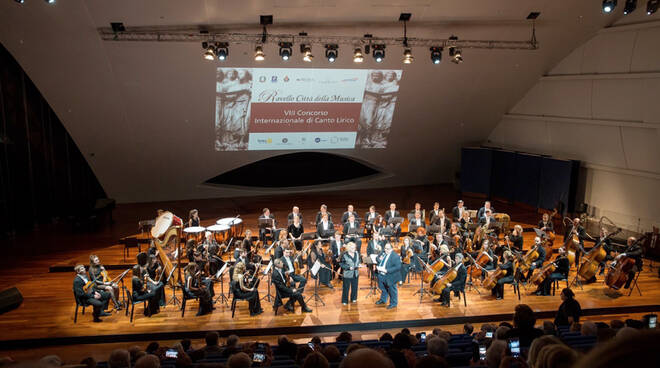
457	212
375	245
485	248
290	270
284	290
337	248
487	219
193	218
505	265
247	245
215	261
352	231
561	272
325	228
350	210
538	263
272	230
96	273
295	231
545	224
407	254
243	258
416	222
435	212
465	221
576	229
634	251
98	299
422	249
209	239
246	292
482	211
295	211
316	253
390	214
323	211
417	208
516	238
279	249
607	246
145	288
369	220
457	285
190	250
442	221
195	288
454	232
150	262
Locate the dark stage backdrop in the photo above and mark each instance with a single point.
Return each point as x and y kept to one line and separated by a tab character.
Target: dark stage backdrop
43	176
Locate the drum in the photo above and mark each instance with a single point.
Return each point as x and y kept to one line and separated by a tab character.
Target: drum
235	225
195	232
219	232
163	222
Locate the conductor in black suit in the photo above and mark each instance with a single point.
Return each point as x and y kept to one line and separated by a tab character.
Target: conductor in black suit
96	298
294	294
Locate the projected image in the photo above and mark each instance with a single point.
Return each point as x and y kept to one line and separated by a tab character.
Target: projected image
377	108
294	109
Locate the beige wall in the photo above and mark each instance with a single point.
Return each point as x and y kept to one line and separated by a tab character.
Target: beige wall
600	105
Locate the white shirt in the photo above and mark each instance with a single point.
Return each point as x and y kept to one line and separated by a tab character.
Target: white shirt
351	224
392	213
288	262
325	225
384	262
372	215
460	211
338	243
418	222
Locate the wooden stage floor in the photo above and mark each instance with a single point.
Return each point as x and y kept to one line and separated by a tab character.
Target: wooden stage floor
46	315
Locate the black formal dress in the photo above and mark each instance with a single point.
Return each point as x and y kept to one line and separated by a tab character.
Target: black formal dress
296	232
241	291
196	289
324	272
153	294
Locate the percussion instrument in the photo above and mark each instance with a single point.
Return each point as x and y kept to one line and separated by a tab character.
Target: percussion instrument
504	219
235	225
219	232
196	233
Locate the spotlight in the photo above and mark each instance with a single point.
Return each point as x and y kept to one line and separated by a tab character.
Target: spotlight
331	53
259	54
357	55
652	7
609	5
50	1
379	53
285	50
407	56
209	51
222	50
436	55
629	7
20	1
456	55
307	53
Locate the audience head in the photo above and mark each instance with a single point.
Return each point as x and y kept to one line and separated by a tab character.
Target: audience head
500	333
431	361
186	344
401	341
549	328
314	360
494	353
567	294
152	348
575	327
134	352
617	324
332	353
467	328
239	360
626	332
120	358
537	345
386	337
315	340
636	350
232	340
344	336
352	347
148	361
556	356
437	346
212	338
302	352
589	329
523	317
366	358
51	361
506	324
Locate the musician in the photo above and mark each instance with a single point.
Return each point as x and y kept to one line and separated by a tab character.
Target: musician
457	212
193	218
98	299
215	261
505	265
407	255
248	246
457	285
323	211
96	273
435	212
421	247
295	212
145	288
195	288
280	248
296	230
516	238
245	260
561	272
325	272
455	231
482	210
349	211
369	219
279	279
442	221
352	231
246	292
545	224
465	221
538	263
290	270
418	208
487	218
634	251
389	274
416	222
190	251
434	246
268	230
150	261
485	248
392	213
350	264
578	230
375	245
325	228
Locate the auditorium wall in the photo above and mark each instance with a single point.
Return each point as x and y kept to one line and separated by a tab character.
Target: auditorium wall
600	105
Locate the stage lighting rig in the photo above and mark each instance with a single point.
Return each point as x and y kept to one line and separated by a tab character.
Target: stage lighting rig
652	7
285	50
407	56
306	50
609	5
331	52
407	52
629	6
436	54
379	53
209	51
222	50
358	57
259	54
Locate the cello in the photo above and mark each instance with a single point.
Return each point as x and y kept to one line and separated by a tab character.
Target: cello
591	260
617	275
429	271
478	264
526	261
445	279
491	279
542	273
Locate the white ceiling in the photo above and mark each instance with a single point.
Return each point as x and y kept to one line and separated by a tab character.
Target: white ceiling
142	113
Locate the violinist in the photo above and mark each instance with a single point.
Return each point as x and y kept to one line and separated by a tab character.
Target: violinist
458	211
190	251
350	264
375	245
316	253
407	254
505	265
296	230
193	218
416	222
325	228
422	249
98	299
455	235
538	263
242	290
560	273
337	246
215	261
350	210
195	288
284	290
545	224
352	231
457	285
209	239
145	288
290	270
445	255
272	230
442	221
634	251
323	211
295	212
516	238
243	258
280	248
247	245
577	230
434	245
390	214
99	276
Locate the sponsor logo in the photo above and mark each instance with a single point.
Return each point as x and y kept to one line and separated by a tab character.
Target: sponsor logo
317	140
269	140
334	140
286	78
273	79
284	140
262	79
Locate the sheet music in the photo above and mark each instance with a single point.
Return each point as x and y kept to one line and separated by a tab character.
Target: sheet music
374	258
316	267
221	271
270	264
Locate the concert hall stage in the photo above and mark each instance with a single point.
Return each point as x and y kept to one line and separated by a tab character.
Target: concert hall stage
46	315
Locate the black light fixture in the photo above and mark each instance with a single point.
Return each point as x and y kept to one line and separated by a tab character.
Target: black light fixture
652	6
306	51
358	57
379	53
117	27
609	5
407	52
331	52
629	6
436	54
222	50
259	54
285	50
209	51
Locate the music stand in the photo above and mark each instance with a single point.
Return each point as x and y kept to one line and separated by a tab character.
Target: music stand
174	299
434	229
267	271
469	284
220	275
421	290
369	262
317	298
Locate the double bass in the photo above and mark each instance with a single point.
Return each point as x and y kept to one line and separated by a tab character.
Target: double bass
590	262
617	275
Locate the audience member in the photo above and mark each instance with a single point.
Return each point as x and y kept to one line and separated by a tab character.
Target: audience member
152	348
386	337
556	356
363	358
239	360
500	333
332	353
569	311
352	347
148	361
637	350
135	353
605	334
212	343
589	329
537	345
626	332
506	324
286	347
301	354
494	353
617	324
119	358
232	346
468	329
344	336
50	361
89	362
431	361
315	340
437	346
315	360
186	344
523	322
575	327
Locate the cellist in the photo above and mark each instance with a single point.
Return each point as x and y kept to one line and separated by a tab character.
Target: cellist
560	273
578	230
457	285
607	246
538	263
634	251
505	265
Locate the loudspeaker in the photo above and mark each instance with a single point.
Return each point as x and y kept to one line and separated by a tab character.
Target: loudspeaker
10	299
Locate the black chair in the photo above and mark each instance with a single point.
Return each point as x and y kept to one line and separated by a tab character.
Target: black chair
555	284
459	297
185	296
79	303
233	285
133	302
277	303
130	242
